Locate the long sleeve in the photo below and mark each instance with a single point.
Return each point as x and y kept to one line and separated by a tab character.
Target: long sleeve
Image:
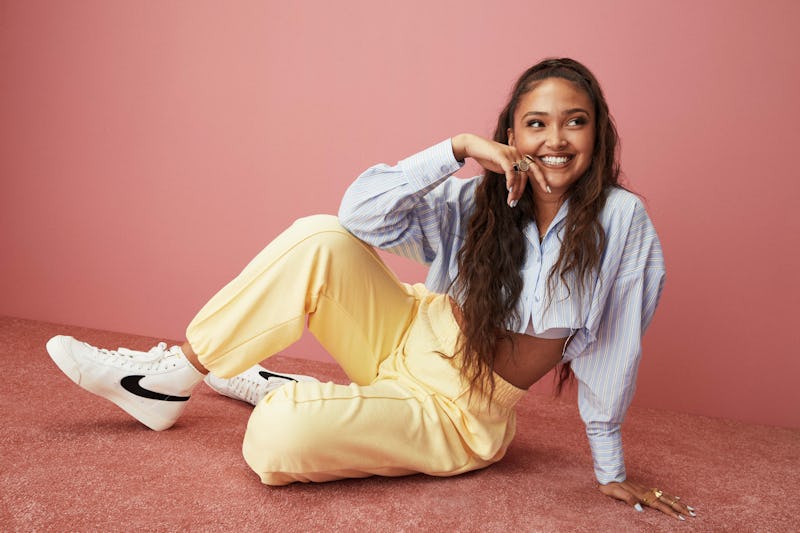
410	208
607	369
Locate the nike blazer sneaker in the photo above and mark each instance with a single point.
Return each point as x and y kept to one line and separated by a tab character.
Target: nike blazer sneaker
253	384
153	387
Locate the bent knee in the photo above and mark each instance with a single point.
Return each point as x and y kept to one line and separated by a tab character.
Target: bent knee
325	233
276	441
318	223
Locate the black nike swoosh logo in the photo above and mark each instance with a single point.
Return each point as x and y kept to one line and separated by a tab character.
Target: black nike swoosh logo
131	384
266	375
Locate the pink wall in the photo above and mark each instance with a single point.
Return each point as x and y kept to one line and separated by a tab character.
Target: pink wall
149	149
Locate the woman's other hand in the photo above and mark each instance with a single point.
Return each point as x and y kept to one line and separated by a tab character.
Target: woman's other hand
499	158
638	497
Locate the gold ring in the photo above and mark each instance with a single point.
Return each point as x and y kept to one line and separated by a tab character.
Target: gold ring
656	495
522	165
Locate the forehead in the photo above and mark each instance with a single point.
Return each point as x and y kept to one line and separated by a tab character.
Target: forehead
553	95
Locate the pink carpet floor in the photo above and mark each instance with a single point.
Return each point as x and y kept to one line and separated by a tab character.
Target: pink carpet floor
74	462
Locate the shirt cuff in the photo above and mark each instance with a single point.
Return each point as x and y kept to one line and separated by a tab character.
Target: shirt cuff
609	461
428	168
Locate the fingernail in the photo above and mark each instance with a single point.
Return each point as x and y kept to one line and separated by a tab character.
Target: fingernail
549	189
638	507
690	508
513	203
680	517
692	513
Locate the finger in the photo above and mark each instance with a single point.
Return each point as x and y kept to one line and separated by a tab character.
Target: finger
518	181
510	183
666	509
538	176
515	180
616	490
676	503
521	179
654	498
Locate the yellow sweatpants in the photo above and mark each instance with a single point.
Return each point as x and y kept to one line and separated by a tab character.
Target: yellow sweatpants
407	410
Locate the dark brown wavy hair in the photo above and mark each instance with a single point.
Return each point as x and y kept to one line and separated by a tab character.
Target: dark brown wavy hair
489	283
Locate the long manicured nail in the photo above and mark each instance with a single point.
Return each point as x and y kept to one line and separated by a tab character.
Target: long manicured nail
680	517
692	513
690	508
638	507
549	189
513	203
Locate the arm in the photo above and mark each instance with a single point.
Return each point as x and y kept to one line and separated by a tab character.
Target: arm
631	279
399	208
404	208
607	368
607	371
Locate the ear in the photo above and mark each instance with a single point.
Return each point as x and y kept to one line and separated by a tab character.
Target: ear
510	135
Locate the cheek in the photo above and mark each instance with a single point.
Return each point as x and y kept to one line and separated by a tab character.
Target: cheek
586	143
590	141
531	141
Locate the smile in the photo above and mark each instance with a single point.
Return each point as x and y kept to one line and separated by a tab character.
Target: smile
555	161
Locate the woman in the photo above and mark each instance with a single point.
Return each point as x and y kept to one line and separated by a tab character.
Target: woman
543	260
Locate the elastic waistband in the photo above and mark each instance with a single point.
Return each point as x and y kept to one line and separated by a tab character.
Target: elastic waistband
506	394
446	328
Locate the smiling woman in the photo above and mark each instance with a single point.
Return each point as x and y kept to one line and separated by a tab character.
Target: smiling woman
557	249
554	125
543	260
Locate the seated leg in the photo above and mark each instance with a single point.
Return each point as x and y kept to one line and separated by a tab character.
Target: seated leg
315	271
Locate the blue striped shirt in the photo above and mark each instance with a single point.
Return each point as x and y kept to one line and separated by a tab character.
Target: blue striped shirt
415	209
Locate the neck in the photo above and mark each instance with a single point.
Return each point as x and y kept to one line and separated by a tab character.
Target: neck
547	206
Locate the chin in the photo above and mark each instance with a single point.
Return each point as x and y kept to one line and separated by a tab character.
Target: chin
560	183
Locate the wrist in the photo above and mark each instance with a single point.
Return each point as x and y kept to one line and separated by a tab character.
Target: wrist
459	143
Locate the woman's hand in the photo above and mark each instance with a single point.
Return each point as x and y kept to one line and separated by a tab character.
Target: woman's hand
637	495
500	158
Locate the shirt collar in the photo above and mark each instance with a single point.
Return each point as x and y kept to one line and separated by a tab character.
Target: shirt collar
533	235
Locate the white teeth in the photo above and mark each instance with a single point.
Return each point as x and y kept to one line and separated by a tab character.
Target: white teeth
552	160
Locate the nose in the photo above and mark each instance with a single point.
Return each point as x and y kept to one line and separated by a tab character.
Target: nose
555	137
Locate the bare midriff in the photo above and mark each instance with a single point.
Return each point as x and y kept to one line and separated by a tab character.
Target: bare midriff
522	359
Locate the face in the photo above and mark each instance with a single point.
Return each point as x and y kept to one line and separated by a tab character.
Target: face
554	123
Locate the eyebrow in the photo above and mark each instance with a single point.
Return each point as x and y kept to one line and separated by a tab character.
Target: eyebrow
566	112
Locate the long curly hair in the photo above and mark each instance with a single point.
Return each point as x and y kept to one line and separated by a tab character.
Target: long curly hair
489	282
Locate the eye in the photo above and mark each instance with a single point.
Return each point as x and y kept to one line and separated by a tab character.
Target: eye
534	123
577	121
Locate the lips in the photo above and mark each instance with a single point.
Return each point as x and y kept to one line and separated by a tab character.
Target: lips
555	161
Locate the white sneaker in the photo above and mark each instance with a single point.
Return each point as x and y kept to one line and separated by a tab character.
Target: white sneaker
152	387
253	384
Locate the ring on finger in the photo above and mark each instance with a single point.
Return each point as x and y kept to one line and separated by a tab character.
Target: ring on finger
656	494
522	165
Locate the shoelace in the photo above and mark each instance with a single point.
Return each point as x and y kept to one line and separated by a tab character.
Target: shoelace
157	357
247	388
